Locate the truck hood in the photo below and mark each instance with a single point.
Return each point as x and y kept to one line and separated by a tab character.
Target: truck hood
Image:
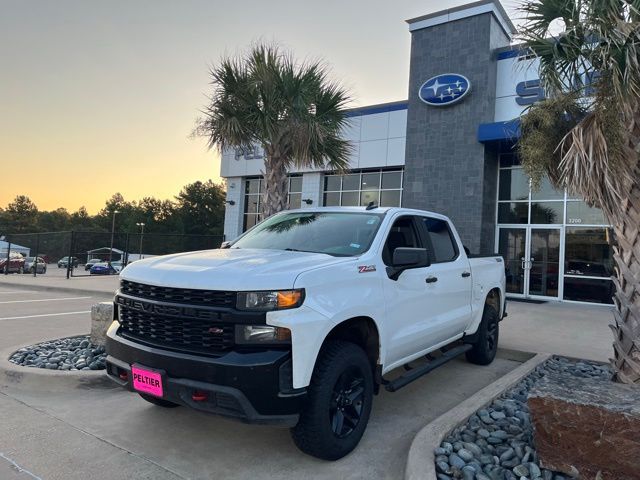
227	269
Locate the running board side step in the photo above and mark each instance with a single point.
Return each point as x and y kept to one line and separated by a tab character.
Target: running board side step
417	372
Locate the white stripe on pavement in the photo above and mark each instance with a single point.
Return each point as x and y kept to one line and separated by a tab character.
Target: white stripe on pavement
46	300
45	315
18	468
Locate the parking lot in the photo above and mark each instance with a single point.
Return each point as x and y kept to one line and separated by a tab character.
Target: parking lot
107	433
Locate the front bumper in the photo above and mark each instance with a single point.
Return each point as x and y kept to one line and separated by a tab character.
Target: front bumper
253	387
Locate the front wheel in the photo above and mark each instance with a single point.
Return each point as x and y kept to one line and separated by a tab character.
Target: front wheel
485	345
338	403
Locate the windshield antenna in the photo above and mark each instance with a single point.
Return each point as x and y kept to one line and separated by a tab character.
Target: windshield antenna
371	206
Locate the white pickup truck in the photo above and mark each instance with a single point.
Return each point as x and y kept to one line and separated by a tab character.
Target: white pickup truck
298	321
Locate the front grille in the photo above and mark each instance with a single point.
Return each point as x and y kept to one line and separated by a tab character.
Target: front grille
209	298
176	333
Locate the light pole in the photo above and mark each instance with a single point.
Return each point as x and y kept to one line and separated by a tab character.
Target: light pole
113	228
141	225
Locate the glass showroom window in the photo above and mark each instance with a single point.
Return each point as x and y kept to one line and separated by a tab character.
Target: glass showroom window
253	198
588	265
541	224
518	204
382	187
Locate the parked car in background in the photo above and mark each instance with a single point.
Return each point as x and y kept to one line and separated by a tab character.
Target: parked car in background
64	262
14	265
117	266
103	268
91	263
36	264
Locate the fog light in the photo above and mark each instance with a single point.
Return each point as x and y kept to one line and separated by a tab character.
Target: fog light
199	396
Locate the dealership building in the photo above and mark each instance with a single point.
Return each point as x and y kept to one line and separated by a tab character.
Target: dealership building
451	148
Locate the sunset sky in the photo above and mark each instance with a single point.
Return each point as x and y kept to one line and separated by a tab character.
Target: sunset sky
101	97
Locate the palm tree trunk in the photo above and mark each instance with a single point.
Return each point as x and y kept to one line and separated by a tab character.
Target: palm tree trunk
626	253
274	198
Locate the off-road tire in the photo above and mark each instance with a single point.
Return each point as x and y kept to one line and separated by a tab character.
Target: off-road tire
485	345
314	434
158	401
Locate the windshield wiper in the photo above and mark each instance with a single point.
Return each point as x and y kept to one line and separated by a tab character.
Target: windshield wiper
298	250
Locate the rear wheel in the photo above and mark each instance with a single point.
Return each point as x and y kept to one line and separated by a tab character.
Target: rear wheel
486	344
338	403
161	402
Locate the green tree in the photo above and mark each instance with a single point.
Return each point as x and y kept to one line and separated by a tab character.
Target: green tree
201	208
21	215
292	110
54	221
591	146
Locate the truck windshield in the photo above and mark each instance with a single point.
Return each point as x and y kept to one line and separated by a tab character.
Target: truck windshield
334	233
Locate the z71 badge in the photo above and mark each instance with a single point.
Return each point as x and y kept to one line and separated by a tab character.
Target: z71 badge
366	268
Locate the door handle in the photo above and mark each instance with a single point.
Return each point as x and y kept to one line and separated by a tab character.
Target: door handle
431	279
466	274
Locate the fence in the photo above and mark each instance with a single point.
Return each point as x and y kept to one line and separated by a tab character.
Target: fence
84	249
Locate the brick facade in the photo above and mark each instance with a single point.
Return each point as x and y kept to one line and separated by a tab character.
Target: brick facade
446	169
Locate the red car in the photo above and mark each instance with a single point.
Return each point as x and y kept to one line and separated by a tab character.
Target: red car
15	265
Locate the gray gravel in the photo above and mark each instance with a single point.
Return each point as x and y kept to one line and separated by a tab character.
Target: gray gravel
496	443
73	354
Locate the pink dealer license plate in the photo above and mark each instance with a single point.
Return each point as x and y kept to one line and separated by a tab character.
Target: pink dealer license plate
147	381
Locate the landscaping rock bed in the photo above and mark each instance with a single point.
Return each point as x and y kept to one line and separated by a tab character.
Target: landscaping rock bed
496	443
71	354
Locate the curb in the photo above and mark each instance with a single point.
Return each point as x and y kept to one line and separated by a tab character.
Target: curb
421	459
47	288
31	378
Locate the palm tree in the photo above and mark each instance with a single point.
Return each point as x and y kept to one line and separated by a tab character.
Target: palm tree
586	135
292	110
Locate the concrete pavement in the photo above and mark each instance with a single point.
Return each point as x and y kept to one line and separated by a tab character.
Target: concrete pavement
574	330
106	433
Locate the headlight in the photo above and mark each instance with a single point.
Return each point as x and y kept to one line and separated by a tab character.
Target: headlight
273	300
262	334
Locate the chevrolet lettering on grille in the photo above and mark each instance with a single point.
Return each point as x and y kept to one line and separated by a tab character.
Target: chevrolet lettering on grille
168	310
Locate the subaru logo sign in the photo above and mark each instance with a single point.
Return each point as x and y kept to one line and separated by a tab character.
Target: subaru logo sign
444	89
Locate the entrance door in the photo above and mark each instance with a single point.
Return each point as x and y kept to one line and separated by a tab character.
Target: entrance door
532	260
512	244
544	262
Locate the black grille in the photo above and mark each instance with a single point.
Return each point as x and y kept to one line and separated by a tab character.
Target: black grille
177	333
210	298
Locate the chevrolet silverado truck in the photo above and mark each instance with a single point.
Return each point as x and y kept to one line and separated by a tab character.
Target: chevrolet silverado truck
299	321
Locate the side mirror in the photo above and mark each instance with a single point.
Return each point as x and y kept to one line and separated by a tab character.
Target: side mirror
225	245
406	258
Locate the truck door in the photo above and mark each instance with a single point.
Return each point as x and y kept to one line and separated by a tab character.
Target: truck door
450	289
407	298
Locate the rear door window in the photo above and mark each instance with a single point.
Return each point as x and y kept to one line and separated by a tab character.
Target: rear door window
443	245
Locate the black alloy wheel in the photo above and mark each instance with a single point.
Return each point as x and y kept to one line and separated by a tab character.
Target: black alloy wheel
338	403
485	345
346	402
